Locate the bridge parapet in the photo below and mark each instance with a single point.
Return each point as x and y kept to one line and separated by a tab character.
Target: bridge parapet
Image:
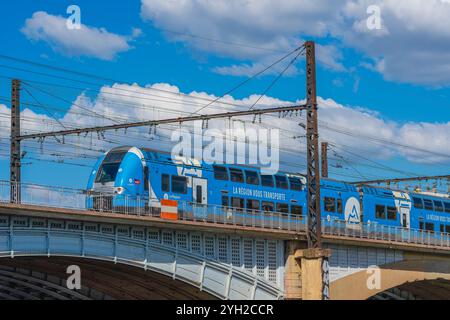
45	196
227	267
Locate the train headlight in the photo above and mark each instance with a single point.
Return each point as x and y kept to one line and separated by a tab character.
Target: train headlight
119	190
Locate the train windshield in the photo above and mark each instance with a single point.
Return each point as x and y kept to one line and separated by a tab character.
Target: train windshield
109	168
107	172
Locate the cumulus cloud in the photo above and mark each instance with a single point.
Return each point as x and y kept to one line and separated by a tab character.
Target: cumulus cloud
412	46
350	128
86	41
258	31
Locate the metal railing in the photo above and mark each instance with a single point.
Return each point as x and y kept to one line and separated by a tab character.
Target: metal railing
46	196
375	231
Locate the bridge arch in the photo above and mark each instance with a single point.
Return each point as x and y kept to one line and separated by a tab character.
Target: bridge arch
100	280
414	268
220	280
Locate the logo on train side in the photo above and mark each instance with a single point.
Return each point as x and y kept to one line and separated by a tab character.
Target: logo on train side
352	211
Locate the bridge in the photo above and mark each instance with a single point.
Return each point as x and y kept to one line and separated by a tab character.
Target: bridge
135	254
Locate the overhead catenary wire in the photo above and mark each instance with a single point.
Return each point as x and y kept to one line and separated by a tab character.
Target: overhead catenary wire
371	142
276	79
320	122
250	78
3	56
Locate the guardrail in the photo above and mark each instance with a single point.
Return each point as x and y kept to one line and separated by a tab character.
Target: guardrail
40	195
375	231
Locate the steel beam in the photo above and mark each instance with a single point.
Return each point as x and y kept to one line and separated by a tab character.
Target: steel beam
165	121
312	141
388	181
15	142
324	158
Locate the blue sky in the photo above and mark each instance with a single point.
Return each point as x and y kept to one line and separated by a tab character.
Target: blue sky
388	75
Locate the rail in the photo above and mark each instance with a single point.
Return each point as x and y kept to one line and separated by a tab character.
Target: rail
67	198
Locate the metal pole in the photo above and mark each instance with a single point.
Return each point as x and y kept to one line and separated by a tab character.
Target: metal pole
312	140
324	160
15	142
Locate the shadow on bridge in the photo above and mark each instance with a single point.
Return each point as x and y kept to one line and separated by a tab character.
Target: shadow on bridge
418	276
45	278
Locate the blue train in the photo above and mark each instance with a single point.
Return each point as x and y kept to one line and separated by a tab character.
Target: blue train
137	177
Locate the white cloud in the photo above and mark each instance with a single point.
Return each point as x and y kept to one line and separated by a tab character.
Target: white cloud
253	68
259	31
134	103
411	47
87	41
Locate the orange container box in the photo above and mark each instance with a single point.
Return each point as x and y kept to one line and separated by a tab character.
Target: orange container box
169	209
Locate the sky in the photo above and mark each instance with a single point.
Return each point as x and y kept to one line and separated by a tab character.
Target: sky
383	77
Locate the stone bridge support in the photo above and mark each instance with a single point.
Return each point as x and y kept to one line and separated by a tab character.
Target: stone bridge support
304	271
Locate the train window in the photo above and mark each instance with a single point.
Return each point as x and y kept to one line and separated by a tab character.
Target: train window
447	229
220	173
438	206
237	202
330	204
283	207
339	205
392	213
179	184
267	206
380	212
267	181
236	175
251	177
295	183
252	205
165	183
225	201
296	210
418	203
447	207
442	228
429	226
281	182
421	224
115	156
428	204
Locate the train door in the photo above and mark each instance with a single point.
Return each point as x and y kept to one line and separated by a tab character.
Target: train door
199	191
405	214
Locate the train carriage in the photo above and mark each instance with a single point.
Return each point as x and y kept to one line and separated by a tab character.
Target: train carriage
129	179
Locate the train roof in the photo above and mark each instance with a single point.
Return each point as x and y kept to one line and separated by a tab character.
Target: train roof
166	157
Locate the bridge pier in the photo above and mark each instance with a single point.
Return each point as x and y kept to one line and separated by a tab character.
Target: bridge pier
312	272
304	271
292	272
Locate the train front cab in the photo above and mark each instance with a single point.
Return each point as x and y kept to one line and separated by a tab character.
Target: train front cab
119	181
